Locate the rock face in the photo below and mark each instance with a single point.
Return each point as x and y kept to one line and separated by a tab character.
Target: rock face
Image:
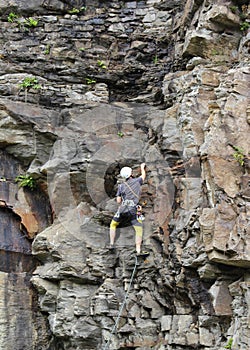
91	86
22	324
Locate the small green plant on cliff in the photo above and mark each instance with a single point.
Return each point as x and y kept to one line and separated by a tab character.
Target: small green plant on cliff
47	50
244	26
120	134
27	23
90	81
155	59
31	22
214	52
233	9
239	155
75	10
30	82
26	181
12	16
229	344
101	64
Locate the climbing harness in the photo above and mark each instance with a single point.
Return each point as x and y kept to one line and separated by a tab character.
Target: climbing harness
128	203
139	214
122	306
129	187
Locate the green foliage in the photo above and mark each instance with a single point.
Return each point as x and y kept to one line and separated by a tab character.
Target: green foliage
155	59
229	344
233	9
12	16
101	64
120	134
244	26
26	181
30	82
239	155
26	23
47	50
31	22
90	81
75	10
214	52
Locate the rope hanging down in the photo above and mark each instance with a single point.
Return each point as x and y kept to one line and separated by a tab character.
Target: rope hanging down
122	306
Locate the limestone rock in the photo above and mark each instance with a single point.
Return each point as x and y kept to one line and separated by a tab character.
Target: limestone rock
16	311
120	83
221	299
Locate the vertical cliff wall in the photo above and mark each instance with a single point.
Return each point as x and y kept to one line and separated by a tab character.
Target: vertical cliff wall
86	88
22	324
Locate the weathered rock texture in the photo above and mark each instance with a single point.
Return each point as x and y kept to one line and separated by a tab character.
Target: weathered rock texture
118	83
23	214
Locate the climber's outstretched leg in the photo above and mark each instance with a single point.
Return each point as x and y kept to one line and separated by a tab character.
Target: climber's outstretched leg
112	233
138	237
138	227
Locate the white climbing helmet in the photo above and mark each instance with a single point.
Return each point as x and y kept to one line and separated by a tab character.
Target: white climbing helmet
126	172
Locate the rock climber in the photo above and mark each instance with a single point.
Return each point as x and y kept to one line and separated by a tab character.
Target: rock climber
128	196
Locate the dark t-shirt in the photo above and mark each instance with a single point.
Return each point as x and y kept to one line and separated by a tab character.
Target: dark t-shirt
130	189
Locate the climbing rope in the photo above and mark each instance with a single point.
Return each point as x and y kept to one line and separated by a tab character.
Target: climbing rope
122	306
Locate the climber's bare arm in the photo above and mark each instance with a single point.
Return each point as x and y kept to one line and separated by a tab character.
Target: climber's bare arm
143	171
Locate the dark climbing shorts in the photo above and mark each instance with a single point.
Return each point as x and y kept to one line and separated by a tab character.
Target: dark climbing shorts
127	214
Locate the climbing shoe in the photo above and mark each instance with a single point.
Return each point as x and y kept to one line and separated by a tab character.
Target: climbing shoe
111	247
142	254
137	263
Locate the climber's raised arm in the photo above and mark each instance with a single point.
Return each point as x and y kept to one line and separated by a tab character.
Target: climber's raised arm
143	171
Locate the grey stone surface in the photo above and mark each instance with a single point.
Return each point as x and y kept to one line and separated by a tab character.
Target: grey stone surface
120	83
